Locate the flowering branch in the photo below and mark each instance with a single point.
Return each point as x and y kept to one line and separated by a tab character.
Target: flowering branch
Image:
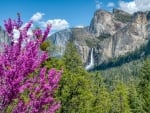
20	60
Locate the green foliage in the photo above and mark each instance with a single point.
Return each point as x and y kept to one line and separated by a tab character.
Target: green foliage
95	42
44	46
54	62
144	85
49	47
75	91
135	101
119	99
91	42
71	59
123	73
123	18
103	36
129	73
139	53
113	91
102	102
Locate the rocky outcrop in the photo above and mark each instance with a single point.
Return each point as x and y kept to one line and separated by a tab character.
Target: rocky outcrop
109	34
132	36
60	40
78	35
106	22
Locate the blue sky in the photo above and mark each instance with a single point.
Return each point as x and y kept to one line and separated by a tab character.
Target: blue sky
67	13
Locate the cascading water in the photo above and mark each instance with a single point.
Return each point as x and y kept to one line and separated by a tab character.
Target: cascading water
91	64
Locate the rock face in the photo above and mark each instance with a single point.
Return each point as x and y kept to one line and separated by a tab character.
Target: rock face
3	38
60	40
78	35
105	22
109	34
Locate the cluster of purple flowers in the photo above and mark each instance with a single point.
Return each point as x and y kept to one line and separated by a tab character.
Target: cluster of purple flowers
21	72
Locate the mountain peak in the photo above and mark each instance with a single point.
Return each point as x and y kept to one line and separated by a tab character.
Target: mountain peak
102	12
107	22
119	11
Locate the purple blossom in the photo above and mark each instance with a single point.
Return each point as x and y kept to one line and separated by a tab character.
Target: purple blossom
18	63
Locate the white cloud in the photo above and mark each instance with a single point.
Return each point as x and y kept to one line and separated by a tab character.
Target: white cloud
37	16
135	5
16	35
98	4
57	24
110	4
79	26
29	32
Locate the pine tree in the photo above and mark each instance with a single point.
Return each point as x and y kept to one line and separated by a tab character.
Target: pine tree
119	97
135	101
144	85
75	87
102	101
72	59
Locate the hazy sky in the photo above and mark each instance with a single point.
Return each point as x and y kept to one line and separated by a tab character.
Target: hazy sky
64	13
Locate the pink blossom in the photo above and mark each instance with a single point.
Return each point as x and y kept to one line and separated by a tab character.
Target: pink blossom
20	60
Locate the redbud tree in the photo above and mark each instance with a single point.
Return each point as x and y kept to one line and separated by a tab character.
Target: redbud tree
21	72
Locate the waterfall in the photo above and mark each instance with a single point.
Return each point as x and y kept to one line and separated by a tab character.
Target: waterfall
91	64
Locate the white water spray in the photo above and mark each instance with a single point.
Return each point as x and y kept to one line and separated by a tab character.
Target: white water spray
91	65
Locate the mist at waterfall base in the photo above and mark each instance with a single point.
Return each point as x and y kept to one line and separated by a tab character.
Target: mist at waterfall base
91	64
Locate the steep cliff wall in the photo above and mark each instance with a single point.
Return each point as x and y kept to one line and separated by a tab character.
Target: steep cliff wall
109	34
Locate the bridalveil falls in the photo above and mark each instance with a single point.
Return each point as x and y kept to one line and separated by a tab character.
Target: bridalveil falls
91	64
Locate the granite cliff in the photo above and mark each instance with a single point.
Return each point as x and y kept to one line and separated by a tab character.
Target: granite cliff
109	34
